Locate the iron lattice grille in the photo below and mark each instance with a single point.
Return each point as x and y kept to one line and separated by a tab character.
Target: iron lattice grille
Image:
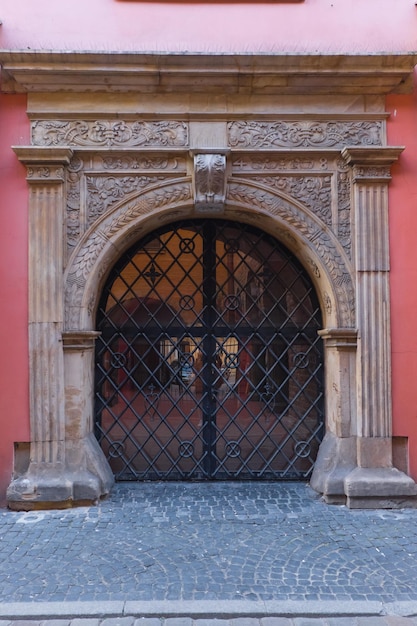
209	365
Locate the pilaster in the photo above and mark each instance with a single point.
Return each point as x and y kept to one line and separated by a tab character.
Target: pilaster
374	479
48	478
337	454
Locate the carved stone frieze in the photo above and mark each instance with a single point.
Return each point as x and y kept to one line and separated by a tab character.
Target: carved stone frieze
104	191
209	181
248	163
127	162
309	228
315	192
308	134
107	133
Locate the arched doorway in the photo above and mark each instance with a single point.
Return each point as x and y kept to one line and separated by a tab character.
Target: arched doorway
209	365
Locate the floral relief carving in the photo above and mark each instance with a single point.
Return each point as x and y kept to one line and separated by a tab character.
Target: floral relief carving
105	133
313	191
304	134
321	239
103	191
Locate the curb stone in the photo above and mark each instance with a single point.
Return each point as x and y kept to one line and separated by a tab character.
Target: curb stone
119	613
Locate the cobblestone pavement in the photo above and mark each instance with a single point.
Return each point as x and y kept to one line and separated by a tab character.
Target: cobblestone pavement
181	542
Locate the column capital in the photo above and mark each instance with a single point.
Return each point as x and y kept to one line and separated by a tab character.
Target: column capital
370	163
79	340
44	164
346	338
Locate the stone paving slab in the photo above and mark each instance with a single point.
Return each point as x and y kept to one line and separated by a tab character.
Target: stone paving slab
252	544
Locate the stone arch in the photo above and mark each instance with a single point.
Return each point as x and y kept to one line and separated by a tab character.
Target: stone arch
286	219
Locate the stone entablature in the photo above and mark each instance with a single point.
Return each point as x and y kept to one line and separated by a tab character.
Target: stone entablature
318	181
222	73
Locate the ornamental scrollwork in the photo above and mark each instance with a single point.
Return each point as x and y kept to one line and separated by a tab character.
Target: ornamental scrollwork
304	134
105	133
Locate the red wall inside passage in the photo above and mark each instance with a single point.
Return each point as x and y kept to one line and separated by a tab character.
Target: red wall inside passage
402	131
14	396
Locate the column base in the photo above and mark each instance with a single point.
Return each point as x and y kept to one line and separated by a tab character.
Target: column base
335	461
380	488
82	480
340	481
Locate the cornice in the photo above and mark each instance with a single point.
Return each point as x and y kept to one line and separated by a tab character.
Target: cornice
45	155
383	156
219	73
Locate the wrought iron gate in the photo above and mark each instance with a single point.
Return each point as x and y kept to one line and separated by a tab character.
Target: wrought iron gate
209	365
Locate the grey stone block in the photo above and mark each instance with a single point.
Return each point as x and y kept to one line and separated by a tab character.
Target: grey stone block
118	621
85	621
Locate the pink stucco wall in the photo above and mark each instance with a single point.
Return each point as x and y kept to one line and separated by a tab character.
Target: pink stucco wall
14	411
312	26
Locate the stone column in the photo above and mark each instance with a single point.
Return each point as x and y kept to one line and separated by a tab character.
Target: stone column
48	481
374	483
337	454
85	461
